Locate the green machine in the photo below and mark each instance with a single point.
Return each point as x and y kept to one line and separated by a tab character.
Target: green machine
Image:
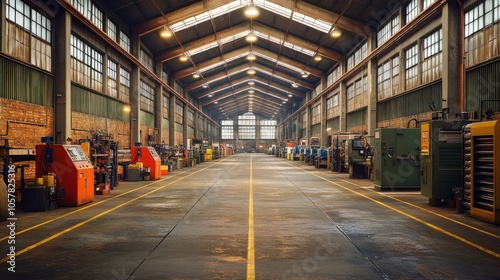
396	163
356	157
441	160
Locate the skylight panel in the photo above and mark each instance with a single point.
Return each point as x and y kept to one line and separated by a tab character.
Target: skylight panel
273	8
202	48
286	65
317	24
299	49
205	16
286	44
234	37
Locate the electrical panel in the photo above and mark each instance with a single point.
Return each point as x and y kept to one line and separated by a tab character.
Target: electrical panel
485	171
441	158
396	162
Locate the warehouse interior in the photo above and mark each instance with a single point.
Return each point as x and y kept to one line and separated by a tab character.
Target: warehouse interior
230	122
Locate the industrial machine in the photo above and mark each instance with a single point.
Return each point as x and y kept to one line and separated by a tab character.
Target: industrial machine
441	158
396	158
322	158
72	171
150	159
356	157
338	157
485	171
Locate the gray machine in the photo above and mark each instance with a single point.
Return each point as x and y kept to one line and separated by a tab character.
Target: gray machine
396	161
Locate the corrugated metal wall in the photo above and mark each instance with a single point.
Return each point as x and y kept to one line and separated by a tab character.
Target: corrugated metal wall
356	118
88	102
333	124
483	83
23	83
147	119
412	103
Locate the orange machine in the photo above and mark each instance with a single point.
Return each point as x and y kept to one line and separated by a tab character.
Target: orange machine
73	171
149	158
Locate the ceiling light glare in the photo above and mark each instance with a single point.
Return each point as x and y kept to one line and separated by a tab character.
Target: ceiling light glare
183	58
196	75
251	11
251	83
290	95
166	32
336	33
205	86
251	71
251	38
251	57
317	58
304	75
294	85
210	95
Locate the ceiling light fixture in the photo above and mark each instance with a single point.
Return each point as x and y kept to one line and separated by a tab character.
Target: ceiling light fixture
251	91
196	75
251	11
251	83
251	57
304	75
183	58
210	95
336	33
251	38
251	71
216	102
205	85
166	32
294	85
317	58
290	95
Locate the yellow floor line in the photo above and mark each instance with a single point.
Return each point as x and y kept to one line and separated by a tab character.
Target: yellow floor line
54	236
477	246
251	248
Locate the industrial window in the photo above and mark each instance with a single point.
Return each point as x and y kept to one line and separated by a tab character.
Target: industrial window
177	87
227	130
384	80
412	67
89	10
427	3
124	85
179	113
268	129
355	58
147	97
165	107
111	31
433	43
147	60
316	114
86	64
124	41
165	77
350	97
246	119
112	77
482	15
28	35
411	10
395	75
317	90
190	118
332	77
246	132
358	87
332	106
388	30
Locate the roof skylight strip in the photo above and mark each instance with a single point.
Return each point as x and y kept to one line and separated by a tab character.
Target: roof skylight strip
205	16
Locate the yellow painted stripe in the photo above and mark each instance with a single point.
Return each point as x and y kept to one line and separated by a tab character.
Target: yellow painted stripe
251	248
425	210
477	246
33	246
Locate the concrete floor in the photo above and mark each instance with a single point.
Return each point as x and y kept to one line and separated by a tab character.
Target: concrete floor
307	224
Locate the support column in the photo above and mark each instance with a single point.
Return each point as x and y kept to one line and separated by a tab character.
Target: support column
135	95
372	97
185	124
452	57
323	120
171	113
343	107
62	78
158	106
3	41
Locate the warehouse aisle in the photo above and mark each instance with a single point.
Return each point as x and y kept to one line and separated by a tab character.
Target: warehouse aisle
253	215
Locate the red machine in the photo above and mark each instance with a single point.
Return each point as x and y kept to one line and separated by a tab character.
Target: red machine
149	158
73	172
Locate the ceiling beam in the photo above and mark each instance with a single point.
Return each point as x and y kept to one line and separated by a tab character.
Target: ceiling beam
260	52
245	89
